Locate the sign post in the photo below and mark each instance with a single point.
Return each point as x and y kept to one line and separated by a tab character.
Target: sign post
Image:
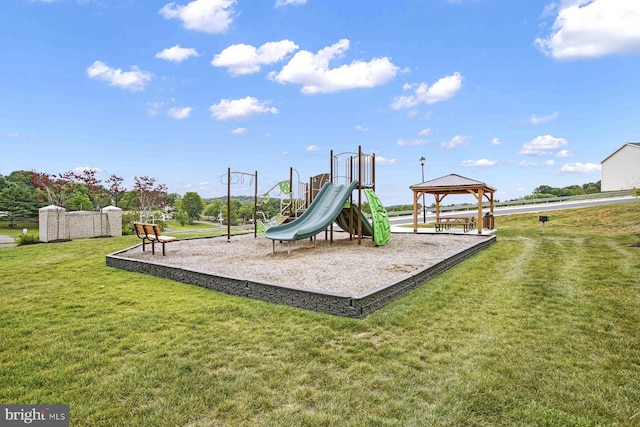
543	219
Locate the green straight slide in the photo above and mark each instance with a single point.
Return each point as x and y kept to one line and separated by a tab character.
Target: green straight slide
381	225
324	209
380	229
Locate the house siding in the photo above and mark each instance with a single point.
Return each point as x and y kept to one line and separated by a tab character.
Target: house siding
621	170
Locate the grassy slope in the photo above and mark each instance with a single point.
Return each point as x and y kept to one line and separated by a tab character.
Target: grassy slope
539	329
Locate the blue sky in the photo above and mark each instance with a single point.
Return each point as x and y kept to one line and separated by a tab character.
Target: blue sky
516	94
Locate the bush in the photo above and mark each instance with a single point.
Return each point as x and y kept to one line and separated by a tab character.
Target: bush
27	239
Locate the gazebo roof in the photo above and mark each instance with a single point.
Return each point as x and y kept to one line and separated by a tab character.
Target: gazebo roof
451	183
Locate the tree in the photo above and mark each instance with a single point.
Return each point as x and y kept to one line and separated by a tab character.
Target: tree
92	184
192	205
214	208
128	201
57	188
78	201
16	201
116	190
235	209
246	211
148	196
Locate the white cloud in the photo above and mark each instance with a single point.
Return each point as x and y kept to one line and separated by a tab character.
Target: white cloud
545	145
445	88
81	169
580	167
176	53
564	153
245	59
312	71
361	128
20	135
383	161
134	80
239	131
528	163
456	141
425	132
495	141
593	28
536	120
179	113
209	16
280	3
153	108
240	109
313	148
478	163
412	143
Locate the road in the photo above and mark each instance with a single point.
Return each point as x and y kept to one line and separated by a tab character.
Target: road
511	210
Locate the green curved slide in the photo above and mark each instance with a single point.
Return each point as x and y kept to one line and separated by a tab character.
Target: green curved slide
380	229
321	213
348	221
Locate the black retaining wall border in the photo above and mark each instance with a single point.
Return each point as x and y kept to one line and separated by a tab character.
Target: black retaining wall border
357	306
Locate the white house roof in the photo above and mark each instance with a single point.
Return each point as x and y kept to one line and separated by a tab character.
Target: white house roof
451	181
631	144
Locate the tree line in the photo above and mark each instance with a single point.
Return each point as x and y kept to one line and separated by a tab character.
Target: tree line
545	191
22	193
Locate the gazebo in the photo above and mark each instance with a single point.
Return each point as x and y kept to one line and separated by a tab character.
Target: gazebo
452	184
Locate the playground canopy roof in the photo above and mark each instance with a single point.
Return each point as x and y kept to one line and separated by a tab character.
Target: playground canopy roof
452	184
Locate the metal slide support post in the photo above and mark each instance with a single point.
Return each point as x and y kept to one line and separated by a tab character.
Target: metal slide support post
331	181
424	207
291	207
255	209
373	186
228	204
359	195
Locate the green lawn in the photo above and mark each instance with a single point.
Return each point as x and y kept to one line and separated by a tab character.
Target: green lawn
537	330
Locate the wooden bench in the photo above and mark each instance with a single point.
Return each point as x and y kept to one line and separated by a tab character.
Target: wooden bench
151	233
445	222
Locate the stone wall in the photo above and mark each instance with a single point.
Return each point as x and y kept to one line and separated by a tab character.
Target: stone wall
55	223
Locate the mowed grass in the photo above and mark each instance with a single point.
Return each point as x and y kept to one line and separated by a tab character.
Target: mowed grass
537	330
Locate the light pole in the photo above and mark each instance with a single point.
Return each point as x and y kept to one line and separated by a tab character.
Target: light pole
424	208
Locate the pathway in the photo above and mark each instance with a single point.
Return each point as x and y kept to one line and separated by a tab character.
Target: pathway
7	241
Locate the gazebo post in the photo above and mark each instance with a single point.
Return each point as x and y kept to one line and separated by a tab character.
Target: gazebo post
415	211
480	197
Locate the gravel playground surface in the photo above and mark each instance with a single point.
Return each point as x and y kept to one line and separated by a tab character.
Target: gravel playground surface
343	268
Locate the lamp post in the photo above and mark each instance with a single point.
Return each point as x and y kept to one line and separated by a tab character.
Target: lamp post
424	208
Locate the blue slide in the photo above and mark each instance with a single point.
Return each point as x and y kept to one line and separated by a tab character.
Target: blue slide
321	213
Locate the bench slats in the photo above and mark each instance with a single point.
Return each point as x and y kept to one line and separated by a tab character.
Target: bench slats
151	233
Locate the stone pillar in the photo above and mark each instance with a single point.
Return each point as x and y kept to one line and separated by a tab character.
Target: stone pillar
52	223
113	224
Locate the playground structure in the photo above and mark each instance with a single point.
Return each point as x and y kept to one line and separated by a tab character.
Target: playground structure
307	209
334	202
290	205
326	199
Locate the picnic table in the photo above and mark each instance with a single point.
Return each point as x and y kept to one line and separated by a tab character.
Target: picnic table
468	223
